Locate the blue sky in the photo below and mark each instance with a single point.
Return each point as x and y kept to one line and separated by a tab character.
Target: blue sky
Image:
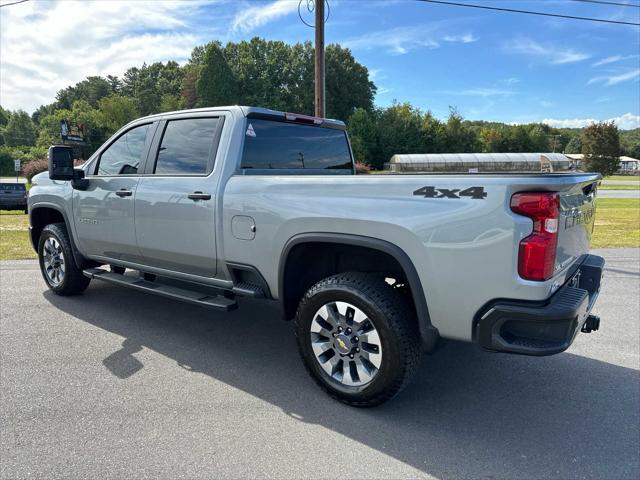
490	65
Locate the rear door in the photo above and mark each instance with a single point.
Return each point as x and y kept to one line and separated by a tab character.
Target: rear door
175	201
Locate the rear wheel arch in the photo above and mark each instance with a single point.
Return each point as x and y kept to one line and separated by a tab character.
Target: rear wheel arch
308	258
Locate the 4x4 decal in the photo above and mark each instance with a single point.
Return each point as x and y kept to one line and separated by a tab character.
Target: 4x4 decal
477	193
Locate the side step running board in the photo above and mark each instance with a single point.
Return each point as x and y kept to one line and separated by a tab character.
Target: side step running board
217	302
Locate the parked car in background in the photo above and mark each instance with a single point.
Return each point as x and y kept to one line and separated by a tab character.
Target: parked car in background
13	196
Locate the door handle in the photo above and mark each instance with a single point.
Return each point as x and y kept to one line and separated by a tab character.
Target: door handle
123	192
199	196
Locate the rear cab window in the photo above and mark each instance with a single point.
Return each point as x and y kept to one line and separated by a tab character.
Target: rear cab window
276	145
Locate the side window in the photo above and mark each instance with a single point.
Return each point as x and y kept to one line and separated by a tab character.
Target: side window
123	156
187	147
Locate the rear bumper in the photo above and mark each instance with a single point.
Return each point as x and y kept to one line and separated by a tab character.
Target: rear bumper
13	204
543	328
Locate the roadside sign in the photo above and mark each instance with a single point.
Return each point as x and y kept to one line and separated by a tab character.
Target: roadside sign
16	165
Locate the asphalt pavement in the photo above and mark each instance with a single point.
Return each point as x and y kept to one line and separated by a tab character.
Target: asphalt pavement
119	384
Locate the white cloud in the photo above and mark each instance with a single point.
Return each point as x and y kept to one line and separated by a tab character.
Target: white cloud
511	80
466	38
552	54
401	40
608	80
481	92
612	59
49	46
253	17
546	103
627	121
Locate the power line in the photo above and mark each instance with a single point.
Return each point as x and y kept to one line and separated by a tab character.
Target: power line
529	12
13	3
609	3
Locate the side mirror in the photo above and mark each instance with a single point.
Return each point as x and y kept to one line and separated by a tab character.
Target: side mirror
60	162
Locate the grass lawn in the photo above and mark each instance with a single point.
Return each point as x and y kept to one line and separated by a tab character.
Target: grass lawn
626	178
617	225
608	186
14	236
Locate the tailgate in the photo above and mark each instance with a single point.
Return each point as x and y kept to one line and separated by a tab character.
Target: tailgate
577	215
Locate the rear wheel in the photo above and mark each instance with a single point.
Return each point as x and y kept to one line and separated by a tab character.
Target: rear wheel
358	338
57	264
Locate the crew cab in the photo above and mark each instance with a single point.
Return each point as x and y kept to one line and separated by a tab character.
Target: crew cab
209	205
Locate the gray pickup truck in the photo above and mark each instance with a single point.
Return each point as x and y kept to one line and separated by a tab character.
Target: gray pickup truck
208	205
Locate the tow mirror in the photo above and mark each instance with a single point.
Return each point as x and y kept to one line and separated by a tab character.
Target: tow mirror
60	162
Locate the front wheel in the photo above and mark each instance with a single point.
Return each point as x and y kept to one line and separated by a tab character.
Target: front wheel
57	264
358	338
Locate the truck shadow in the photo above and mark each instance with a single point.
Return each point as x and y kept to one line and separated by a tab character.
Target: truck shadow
467	413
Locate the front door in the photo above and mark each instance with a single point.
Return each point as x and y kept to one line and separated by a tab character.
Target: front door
104	212
175	201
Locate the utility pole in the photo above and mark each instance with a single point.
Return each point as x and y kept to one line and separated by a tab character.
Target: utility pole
319	70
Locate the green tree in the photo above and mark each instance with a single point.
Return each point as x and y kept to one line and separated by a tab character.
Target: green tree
574	145
89	90
188	90
116	111
20	130
170	103
147	85
630	143
347	84
216	83
4	116
399	131
601	147
363	135
459	137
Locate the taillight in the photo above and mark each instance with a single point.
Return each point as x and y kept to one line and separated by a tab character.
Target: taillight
537	254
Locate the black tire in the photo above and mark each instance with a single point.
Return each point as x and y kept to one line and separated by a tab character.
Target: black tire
117	269
394	320
73	282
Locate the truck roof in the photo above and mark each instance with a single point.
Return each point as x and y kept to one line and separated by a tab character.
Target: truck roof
252	112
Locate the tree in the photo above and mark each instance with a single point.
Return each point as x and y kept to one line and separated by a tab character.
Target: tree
459	137
147	84
347	84
188	90
4	116
601	147
216	83
363	135
170	103
630	143
20	130
90	90
574	145
116	111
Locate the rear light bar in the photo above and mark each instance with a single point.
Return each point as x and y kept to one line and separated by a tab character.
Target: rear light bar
296	117
537	255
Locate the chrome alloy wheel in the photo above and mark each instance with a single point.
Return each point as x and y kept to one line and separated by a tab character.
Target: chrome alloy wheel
53	259
346	344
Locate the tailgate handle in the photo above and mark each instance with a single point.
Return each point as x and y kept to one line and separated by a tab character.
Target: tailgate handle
588	190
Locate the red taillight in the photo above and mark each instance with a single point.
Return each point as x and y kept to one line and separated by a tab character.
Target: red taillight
537	254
